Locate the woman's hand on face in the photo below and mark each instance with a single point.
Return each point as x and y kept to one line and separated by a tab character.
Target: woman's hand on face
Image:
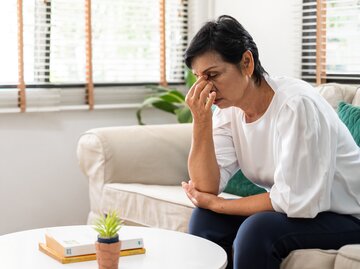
200	99
200	199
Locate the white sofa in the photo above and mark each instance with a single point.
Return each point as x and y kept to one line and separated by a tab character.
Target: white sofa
137	170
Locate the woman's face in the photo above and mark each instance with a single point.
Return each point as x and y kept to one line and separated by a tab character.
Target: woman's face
230	83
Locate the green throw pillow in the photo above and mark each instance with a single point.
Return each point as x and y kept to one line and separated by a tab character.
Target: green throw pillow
241	186
350	115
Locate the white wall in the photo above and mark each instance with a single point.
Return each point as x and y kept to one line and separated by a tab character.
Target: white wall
40	182
200	11
275	27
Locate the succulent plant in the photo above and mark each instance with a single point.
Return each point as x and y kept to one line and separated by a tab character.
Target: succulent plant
108	225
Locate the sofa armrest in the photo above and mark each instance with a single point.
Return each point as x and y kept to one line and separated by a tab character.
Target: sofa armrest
152	154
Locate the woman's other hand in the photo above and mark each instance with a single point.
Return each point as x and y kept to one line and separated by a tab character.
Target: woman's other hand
198	198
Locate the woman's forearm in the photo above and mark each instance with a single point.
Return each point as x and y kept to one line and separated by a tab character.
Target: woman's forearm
245	206
203	168
202	164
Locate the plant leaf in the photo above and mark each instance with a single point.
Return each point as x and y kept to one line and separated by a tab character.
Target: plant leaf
165	106
184	115
138	116
173	96
190	78
179	94
169	100
146	103
109	225
158	103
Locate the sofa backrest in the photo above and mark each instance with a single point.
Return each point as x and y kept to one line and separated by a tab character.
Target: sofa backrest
150	154
334	93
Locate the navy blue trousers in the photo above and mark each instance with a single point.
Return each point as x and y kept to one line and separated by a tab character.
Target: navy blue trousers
262	240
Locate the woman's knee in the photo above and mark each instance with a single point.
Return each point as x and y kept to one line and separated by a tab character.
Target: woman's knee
198	221
261	224
209	224
255	239
203	221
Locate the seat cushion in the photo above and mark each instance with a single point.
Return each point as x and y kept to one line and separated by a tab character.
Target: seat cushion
348	257
310	259
157	206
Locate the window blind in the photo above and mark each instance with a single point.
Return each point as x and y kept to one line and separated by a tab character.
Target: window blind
176	30
9	56
92	53
330	41
8	51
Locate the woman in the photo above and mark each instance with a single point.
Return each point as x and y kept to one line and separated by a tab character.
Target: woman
284	137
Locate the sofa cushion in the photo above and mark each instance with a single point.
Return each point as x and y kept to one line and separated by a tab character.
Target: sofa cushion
152	154
147	205
335	92
350	115
356	100
309	259
348	257
241	186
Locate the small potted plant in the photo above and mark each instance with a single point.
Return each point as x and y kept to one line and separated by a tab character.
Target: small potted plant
108	244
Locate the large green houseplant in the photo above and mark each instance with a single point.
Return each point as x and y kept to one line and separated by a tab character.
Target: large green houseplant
169	100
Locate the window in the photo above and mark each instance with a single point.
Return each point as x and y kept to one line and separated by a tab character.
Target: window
120	47
8	52
330	41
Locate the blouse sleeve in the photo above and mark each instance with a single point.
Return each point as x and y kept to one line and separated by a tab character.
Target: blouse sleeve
224	146
304	160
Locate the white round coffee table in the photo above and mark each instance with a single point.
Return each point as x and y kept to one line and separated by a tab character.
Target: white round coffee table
164	249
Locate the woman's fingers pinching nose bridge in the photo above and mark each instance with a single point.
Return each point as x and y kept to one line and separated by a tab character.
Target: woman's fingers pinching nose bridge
210	89
205	92
194	90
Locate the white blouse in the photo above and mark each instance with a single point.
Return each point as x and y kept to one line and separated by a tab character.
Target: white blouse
299	150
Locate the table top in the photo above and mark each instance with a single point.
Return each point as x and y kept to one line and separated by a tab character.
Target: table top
164	249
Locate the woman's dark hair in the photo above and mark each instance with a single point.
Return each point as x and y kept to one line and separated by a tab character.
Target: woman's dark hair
227	37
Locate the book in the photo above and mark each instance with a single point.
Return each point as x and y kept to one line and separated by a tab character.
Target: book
80	240
82	258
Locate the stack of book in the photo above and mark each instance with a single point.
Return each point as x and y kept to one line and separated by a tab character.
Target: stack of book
77	245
